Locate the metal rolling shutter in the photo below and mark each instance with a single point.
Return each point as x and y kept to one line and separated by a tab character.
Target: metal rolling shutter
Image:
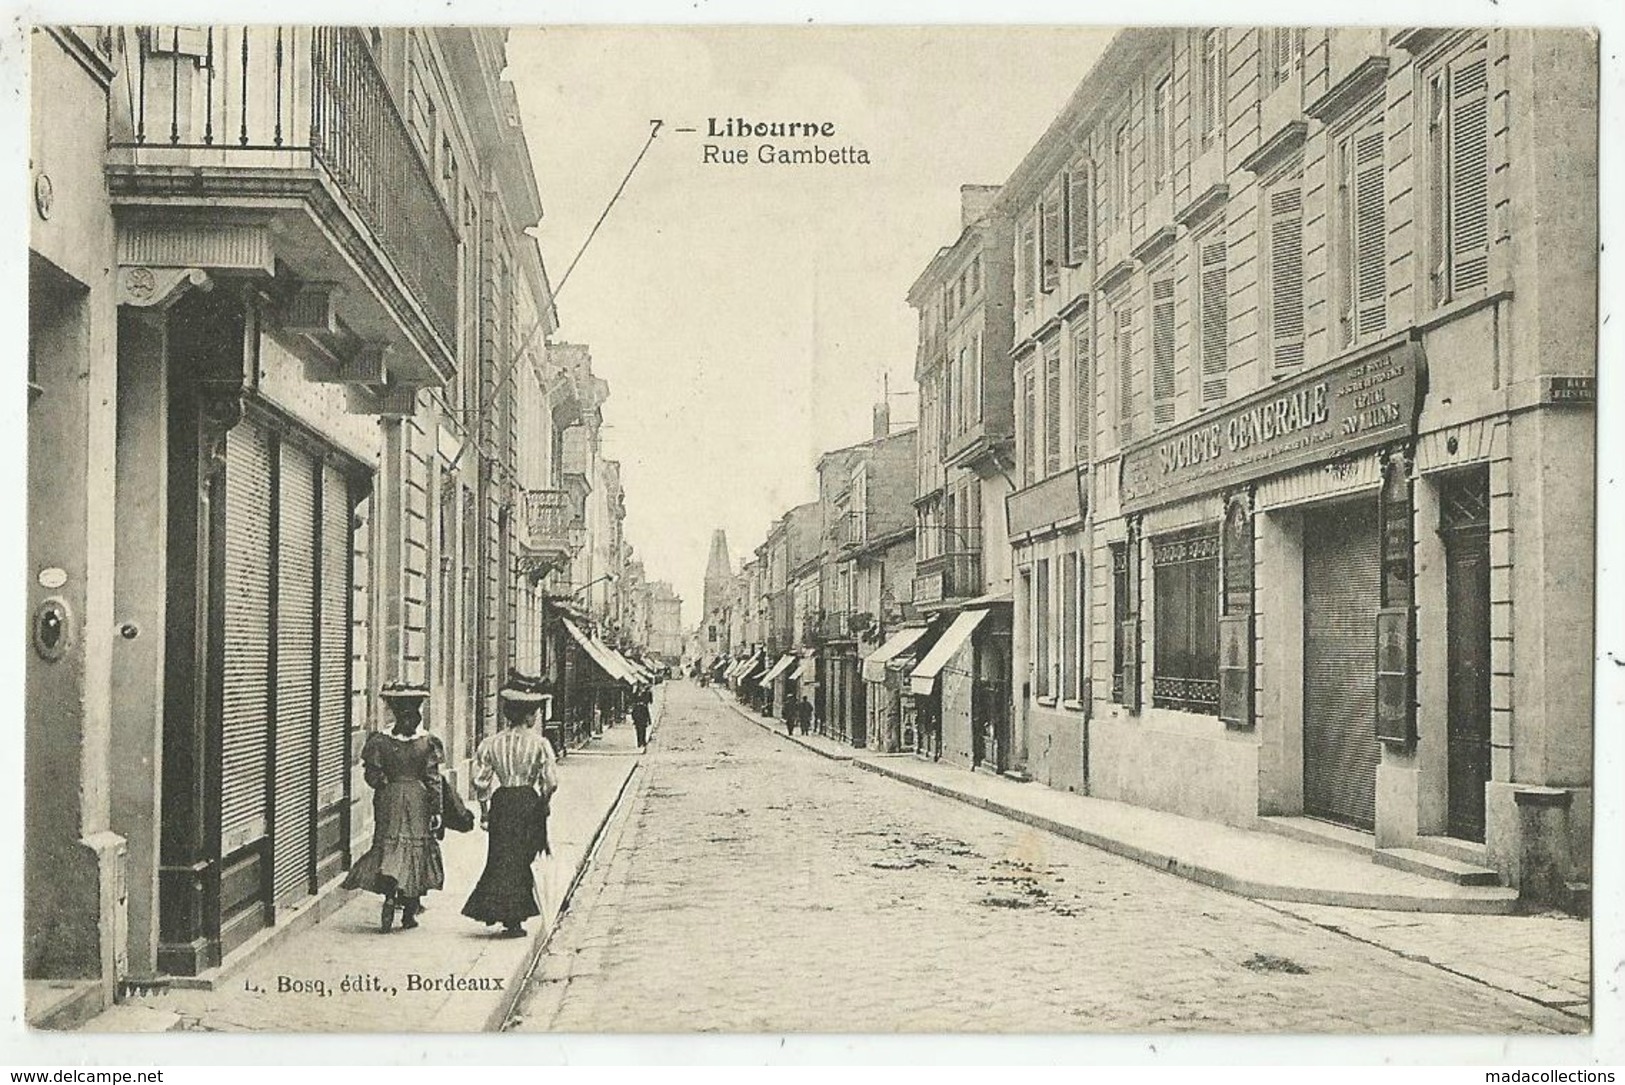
1341	596
333	681
295	674
245	721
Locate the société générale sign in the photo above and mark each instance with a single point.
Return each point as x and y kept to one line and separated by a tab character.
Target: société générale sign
1323	415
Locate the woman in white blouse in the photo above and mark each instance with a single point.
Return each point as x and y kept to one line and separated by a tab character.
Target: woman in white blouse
515	775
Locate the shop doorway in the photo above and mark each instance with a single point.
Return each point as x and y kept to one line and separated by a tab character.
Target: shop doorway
1341	597
1464	524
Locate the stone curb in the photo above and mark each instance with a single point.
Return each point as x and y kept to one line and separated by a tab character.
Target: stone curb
1217	879
498	1019
1205	875
761	722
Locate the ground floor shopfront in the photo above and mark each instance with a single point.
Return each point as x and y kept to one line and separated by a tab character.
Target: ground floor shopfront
1325	628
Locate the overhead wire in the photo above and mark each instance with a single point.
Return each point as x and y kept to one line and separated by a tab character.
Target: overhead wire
512	365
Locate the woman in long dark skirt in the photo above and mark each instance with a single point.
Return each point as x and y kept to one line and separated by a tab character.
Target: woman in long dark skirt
402	766
515	774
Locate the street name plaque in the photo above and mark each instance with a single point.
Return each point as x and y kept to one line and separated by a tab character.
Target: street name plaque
1321	416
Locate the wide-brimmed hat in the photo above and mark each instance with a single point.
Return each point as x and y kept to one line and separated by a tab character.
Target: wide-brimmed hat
524	689
403	691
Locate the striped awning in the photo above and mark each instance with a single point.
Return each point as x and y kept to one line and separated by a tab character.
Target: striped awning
874	664
923	677
777	669
600	653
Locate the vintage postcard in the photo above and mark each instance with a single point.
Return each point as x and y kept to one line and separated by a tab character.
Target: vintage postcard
811	529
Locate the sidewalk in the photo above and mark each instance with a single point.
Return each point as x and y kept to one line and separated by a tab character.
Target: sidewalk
1462	929
343	975
1248	862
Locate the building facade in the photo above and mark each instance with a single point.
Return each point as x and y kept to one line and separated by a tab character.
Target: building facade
966	451
1327	434
297	334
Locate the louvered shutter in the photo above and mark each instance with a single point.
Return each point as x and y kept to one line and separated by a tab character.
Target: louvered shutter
1029	426
245	703
1212	288
296	617
1077	218
1162	352
1125	374
1469	174
1083	403
1028	265
1052	408
1370	234
1438	167
333	726
1286	277
1041	628
1071	661
1049	243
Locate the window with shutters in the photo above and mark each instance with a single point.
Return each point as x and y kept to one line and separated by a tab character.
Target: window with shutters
1071	654
1186	585
1210	86
1083	401
1162	133
1281	55
1212	323
1027	266
1458	176
1283	279
976	275
1360	254
1029	425
1162	350
1042	630
1123	360
1052	408
1076	190
1049	242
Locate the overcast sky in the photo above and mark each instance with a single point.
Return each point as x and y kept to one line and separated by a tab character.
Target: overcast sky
745	315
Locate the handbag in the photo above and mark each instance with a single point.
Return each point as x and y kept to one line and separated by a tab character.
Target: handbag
454	814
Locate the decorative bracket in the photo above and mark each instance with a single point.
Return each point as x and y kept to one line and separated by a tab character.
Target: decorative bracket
159	287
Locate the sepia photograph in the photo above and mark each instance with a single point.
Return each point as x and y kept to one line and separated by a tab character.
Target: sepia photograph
811	529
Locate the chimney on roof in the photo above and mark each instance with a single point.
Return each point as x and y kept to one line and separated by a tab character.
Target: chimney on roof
882	420
974	200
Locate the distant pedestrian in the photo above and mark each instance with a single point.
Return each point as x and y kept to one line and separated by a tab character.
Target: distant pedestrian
640	721
804	710
402	766
515	775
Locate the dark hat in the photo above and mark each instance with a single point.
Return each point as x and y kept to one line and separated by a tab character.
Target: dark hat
524	689
403	691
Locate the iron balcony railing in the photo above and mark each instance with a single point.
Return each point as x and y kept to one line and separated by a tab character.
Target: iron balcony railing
235	96
952	567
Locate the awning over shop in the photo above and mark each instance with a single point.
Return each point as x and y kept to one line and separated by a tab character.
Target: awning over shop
629	672
748	672
874	664
924	676
777	669
599	653
733	669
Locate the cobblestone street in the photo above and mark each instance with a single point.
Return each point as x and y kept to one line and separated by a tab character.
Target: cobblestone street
750	885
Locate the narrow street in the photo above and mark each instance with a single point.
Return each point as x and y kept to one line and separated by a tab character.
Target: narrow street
750	885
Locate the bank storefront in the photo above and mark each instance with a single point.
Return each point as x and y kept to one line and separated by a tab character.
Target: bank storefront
1258	618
